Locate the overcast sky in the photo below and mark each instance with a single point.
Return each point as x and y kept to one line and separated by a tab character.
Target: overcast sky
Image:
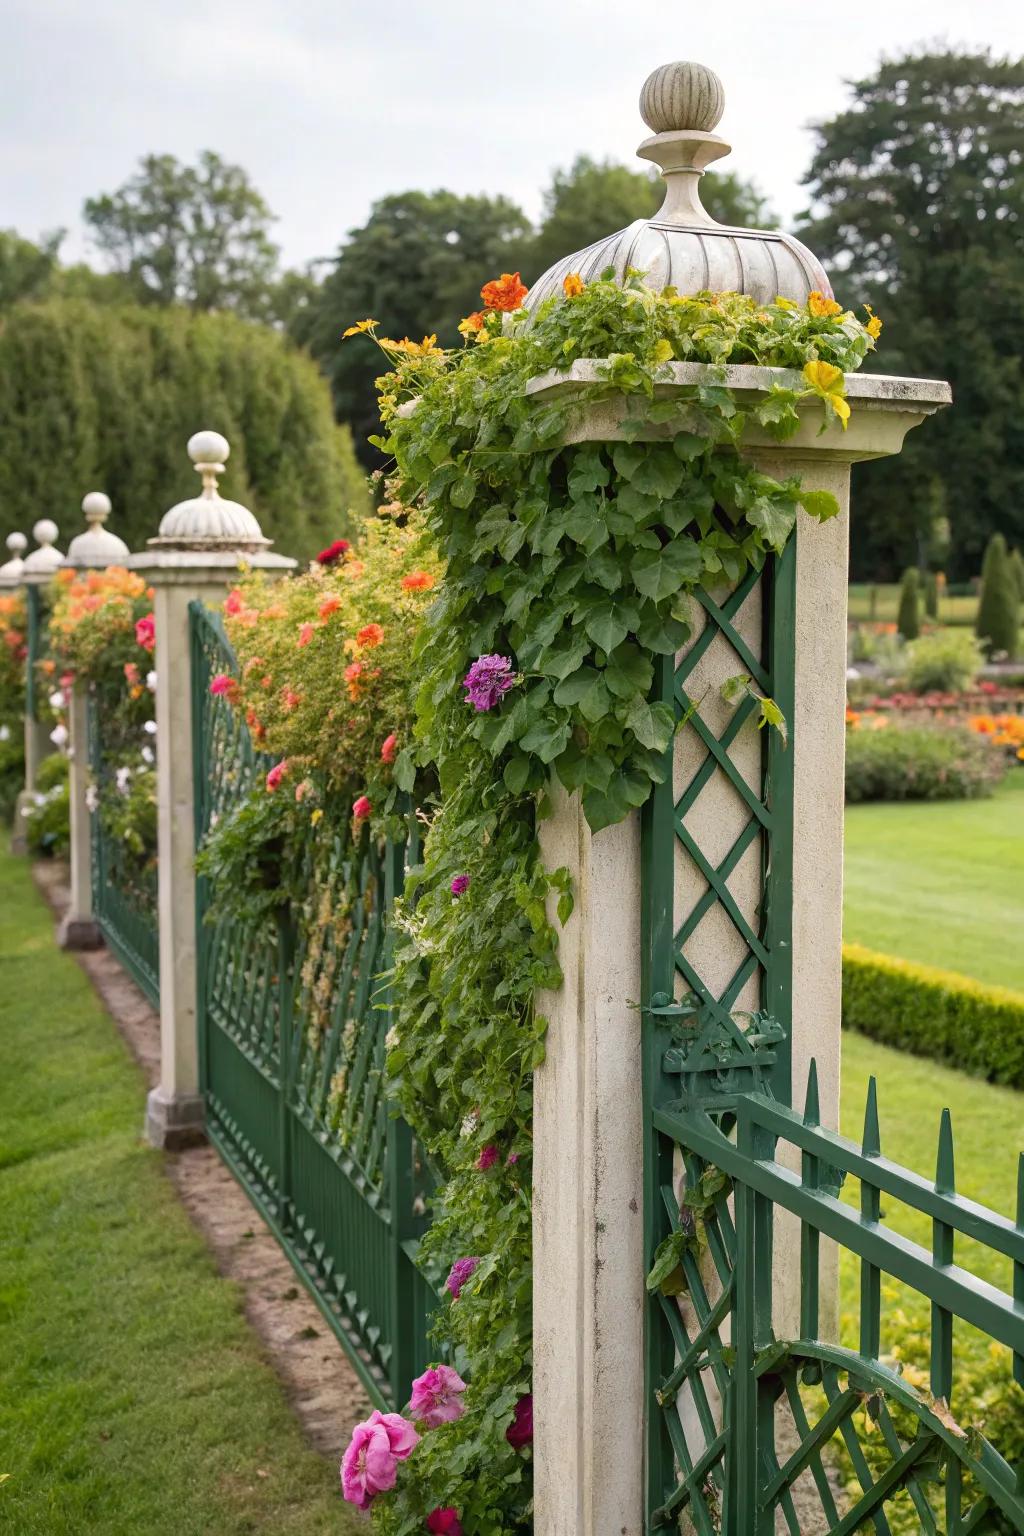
329	104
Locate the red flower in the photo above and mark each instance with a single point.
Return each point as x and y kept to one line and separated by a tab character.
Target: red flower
444	1522
520	1431
506	292
417	581
276	774
390	747
370	635
487	1159
234	602
333	553
145	632
223	683
329	605
305	634
361	808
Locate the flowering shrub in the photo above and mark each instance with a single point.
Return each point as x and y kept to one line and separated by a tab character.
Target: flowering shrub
13	650
936	762
1001	731
946	661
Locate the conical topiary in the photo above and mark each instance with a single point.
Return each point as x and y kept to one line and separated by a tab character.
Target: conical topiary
1017	563
908	619
998	620
931	595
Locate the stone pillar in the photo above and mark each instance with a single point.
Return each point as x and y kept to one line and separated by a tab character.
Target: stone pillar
95	549
36	573
589	1393
195	557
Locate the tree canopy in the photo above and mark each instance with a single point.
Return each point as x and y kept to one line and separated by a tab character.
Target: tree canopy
918	207
105	397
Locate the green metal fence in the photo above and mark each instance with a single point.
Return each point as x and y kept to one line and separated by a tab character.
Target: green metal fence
124	885
292	1046
759	1422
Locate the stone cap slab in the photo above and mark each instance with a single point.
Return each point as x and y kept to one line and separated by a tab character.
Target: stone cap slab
187	567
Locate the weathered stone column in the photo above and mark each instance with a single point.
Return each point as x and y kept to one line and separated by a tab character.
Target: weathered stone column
95	549
36	573
589	1263
196	555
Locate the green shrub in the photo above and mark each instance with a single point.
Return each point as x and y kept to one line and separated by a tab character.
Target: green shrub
998	622
908	618
946	661
1017	566
106	397
919	763
931	595
950	1018
48	817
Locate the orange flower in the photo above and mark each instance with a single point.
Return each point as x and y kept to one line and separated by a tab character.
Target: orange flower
573	285
471	324
418	581
291	699
821	307
506	292
370	635
306	632
275	611
329	605
353	672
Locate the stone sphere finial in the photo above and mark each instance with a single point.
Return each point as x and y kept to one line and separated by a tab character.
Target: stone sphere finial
207	521
45	532
209	452
44	560
96	506
17	544
681	96
10	571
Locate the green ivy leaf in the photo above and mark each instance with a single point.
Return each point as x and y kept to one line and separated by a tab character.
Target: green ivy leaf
658	573
587	472
821	505
653	725
463	492
606	626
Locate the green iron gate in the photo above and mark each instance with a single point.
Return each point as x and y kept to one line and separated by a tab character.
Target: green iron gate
292	1045
124	886
746	1428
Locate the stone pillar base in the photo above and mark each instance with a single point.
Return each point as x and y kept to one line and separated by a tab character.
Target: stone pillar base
79	933
174	1122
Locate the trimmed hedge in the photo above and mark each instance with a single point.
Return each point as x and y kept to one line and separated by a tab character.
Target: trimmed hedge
955	1020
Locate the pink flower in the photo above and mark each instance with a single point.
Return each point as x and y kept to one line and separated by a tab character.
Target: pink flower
361	808
487	1159
223	683
512	1159
459	885
145	632
437	1397
444	1522
389	748
370	1465
234	602
520	1431
306	632
459	1274
276	774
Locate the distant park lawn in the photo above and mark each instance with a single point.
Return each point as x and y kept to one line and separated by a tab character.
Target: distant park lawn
952	610
134	1398
942	884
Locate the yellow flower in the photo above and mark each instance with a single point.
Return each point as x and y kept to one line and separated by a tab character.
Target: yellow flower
781	303
426	348
359	328
874	325
820	307
573	285
828	383
472	324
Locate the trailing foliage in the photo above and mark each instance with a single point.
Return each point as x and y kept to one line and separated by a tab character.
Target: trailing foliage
939	762
48	813
13	651
935	1013
109	395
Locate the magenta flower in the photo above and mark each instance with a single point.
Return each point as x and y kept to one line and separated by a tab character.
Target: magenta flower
145	632
437	1397
444	1522
487	679
459	885
512	1159
520	1431
276	774
223	683
460	1273
370	1465
488	1157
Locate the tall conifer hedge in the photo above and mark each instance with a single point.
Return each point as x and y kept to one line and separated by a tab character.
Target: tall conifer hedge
105	398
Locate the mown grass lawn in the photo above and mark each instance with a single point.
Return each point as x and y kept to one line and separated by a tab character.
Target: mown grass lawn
952	610
133	1396
941	883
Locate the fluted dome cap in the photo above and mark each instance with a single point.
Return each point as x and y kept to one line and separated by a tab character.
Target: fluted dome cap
207	521
40	565
682	245
10	571
97	547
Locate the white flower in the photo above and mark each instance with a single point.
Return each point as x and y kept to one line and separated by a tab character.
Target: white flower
150	727
391	1038
852	675
57	700
148	755
59	735
214	818
92	799
122	777
5	733
151	681
469	1125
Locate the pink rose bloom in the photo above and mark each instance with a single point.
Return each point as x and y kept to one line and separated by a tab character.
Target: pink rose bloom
389	748
444	1522
145	632
276	774
370	1465
520	1431
222	683
437	1397
361	808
